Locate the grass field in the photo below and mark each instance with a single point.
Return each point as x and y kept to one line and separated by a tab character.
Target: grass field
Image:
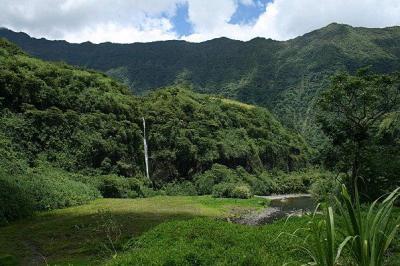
203	241
78	235
162	230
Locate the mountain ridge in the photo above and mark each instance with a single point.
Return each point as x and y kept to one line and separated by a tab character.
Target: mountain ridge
330	25
284	76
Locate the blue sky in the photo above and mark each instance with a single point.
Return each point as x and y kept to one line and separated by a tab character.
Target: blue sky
244	14
181	22
126	21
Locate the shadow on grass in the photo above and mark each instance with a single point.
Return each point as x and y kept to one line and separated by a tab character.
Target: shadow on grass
78	239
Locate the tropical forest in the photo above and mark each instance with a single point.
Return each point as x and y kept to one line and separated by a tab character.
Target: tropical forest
120	149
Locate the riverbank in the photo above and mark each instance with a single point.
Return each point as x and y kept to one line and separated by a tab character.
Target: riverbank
279	207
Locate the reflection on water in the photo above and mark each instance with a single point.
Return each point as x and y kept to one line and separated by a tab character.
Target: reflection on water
280	208
304	203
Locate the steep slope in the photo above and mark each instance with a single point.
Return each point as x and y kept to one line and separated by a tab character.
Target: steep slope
189	132
84	121
283	76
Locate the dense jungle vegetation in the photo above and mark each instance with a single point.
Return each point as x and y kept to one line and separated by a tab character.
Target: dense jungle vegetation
73	137
286	77
70	135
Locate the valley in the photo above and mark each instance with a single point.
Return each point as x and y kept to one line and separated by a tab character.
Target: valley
231	127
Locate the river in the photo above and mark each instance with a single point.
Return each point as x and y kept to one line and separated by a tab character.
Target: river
280	206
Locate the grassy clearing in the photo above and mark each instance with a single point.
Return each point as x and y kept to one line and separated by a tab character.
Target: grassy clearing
205	241
162	230
74	235
243	105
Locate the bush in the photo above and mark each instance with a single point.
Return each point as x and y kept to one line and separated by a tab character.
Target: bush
223	190
325	190
15	201
41	188
264	184
149	192
185	188
297	182
135	187
8	260
241	192
53	188
231	190
113	186
217	174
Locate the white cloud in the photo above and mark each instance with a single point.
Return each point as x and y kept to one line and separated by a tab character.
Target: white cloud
285	19
149	20
247	2
94	20
214	14
152	30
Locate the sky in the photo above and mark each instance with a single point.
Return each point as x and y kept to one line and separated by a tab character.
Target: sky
127	21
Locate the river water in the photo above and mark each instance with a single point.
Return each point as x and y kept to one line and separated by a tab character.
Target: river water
280	207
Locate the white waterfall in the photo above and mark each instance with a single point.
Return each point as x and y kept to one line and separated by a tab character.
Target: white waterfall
146	156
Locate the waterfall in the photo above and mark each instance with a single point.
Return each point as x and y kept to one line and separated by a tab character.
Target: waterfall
146	156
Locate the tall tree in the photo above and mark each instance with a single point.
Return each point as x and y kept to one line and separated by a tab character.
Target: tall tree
350	111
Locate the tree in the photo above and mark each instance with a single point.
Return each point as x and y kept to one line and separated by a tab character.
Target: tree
350	112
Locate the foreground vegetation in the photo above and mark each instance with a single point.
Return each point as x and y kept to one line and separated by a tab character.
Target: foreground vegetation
210	242
79	235
154	231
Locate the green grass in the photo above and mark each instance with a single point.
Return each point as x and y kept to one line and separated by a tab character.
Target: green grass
73	235
206	241
233	102
163	230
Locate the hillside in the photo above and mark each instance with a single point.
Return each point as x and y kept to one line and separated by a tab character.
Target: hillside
283	76
68	135
81	119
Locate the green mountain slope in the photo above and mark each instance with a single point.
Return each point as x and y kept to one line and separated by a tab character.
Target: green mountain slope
283	76
84	121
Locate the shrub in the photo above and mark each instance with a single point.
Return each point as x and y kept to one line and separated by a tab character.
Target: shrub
217	174
290	183
241	192
135	187
113	186
321	244
41	188
150	192
231	190
12	162
223	190
8	260
264	184
15	201
325	189
373	231
53	188
185	188
298	182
